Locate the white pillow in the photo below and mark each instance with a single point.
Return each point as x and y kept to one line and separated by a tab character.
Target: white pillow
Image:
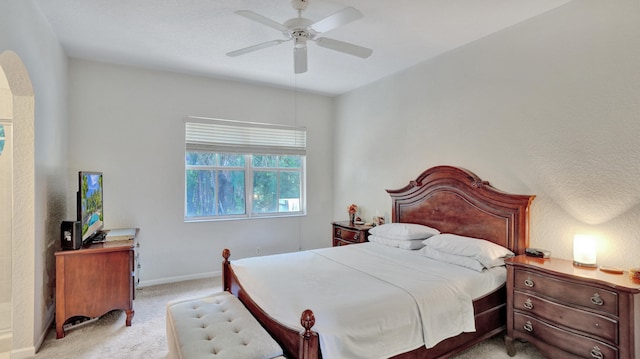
410	244
467	262
403	231
487	253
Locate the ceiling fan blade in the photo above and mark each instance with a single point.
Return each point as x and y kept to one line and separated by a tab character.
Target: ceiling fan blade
261	19
344	47
300	59
256	47
337	19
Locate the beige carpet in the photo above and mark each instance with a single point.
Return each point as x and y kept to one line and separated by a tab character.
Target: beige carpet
108	337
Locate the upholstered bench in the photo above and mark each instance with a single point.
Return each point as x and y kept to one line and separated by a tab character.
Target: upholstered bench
217	326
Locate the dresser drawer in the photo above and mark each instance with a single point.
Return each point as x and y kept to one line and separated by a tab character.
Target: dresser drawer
555	313
568	341
564	291
348	235
337	242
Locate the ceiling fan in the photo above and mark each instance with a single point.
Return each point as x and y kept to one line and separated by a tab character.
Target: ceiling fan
301	30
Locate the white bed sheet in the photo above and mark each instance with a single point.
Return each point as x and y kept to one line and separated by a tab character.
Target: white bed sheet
369	300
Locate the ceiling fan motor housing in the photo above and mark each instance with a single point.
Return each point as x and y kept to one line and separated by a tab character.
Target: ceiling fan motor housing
298	30
300	37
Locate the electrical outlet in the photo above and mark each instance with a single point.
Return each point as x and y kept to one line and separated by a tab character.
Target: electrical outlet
257	250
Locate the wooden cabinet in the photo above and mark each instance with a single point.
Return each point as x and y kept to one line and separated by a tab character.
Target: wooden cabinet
349	233
572	312
94	280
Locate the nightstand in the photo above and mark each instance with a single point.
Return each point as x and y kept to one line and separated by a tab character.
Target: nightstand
572	312
345	233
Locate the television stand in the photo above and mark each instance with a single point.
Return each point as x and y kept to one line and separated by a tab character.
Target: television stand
94	280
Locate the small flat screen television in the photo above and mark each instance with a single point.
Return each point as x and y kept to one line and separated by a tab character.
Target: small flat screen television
90	209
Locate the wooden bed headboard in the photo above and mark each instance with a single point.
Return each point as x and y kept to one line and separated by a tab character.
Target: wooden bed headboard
455	200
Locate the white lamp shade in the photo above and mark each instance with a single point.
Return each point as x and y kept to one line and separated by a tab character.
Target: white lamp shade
584	250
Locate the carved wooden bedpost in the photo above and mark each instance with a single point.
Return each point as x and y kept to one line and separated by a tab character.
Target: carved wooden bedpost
226	253
305	344
309	344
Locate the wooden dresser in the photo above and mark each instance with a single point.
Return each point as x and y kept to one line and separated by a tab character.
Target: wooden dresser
94	280
345	233
572	312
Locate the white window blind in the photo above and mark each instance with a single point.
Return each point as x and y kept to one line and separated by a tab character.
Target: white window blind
215	135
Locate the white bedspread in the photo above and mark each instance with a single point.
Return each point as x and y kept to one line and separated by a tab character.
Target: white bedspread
369	300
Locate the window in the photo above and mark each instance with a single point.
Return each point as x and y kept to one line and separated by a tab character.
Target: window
243	170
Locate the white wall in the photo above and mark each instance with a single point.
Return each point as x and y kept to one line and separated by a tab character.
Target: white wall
27	42
128	123
548	107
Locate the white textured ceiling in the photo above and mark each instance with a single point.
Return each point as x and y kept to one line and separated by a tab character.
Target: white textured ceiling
193	36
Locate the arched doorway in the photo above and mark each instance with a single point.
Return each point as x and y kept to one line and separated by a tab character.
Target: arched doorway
6	210
17	218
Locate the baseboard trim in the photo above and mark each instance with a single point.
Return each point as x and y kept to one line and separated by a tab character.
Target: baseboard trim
49	320
6	339
148	283
24	353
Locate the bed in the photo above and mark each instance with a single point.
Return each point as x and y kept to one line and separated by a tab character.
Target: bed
450	199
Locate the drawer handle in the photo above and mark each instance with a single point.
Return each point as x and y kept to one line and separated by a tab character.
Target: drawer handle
528	327
597	300
356	236
528	304
529	283
596	353
338	233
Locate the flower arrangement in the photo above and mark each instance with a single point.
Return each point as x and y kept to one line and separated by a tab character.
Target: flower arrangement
352	209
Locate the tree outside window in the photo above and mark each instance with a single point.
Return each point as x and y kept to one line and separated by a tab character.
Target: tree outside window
243	170
216	185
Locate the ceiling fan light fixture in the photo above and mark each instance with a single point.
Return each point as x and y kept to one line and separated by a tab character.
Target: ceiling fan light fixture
299	60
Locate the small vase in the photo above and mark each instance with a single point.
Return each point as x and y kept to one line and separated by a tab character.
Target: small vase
352	217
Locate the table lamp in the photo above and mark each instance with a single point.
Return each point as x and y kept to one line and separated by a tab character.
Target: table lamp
584	251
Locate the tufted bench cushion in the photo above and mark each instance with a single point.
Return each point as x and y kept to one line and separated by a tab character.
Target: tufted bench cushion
217	326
